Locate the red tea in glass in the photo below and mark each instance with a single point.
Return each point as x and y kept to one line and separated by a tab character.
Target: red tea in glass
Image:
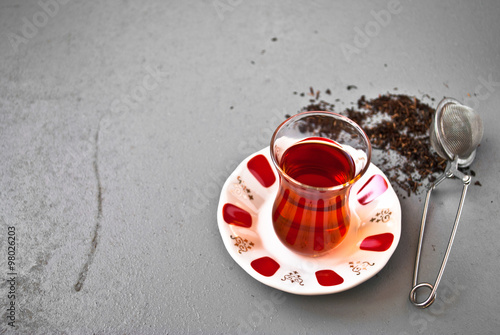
311	214
318	162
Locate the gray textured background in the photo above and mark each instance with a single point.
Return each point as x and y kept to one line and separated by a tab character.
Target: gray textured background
120	120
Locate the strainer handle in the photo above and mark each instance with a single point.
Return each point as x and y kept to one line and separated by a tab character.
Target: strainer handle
451	172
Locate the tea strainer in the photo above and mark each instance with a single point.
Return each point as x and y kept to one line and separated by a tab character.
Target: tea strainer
455	133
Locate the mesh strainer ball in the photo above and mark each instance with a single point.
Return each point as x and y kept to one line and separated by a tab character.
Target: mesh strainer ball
456	131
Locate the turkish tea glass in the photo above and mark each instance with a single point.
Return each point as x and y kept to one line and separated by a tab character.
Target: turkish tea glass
318	156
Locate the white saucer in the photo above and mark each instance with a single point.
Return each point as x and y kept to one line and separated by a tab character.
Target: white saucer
244	218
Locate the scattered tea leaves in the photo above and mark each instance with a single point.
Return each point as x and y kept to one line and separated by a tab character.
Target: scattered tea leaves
397	126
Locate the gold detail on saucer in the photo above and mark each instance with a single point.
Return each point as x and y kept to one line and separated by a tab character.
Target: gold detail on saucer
241	190
242	243
359	266
383	216
294	277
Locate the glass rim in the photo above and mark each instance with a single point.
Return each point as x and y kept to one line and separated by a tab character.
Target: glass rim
336	116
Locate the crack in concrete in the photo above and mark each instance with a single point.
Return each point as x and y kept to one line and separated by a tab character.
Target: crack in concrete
93	246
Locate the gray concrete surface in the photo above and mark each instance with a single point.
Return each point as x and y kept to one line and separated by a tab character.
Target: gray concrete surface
120	120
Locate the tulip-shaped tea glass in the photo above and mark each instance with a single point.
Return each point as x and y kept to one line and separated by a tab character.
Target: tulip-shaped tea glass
319	156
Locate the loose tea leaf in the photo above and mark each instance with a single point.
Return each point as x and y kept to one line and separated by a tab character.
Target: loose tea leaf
398	128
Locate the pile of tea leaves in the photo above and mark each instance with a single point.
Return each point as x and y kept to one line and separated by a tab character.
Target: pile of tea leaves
398	128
